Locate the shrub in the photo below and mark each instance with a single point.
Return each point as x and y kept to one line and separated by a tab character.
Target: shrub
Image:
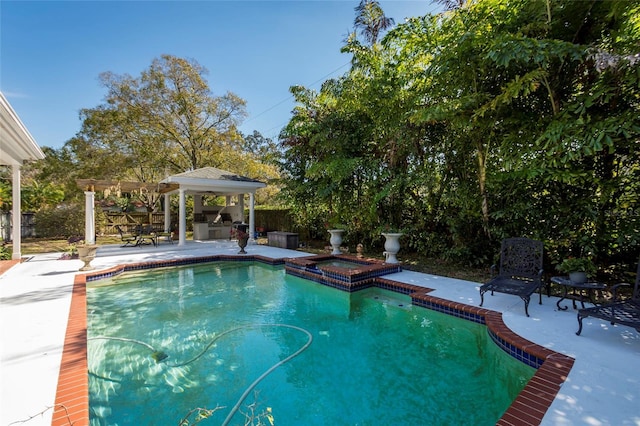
60	222
5	253
577	264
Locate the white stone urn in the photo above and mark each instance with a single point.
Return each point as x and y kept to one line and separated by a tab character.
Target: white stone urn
391	246
335	240
86	253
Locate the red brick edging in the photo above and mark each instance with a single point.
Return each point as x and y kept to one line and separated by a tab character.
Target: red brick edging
5	265
72	396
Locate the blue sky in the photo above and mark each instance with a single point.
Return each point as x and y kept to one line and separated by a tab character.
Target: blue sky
51	52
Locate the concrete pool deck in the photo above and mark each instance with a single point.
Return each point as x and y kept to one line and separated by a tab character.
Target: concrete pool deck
603	387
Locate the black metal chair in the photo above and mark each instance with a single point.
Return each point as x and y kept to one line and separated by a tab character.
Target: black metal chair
146	235
161	234
520	270
626	312
127	239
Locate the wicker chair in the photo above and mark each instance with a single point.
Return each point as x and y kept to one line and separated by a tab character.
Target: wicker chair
520	271
625	312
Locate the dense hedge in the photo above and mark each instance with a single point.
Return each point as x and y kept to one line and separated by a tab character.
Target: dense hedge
60	222
273	220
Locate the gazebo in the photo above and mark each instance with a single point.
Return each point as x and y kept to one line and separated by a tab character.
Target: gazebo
198	183
17	146
210	181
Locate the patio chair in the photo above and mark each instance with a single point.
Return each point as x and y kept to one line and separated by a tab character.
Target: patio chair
520	271
162	234
626	312
146	235
127	239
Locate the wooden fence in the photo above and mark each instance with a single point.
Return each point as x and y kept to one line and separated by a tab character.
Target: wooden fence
272	220
129	221
27	230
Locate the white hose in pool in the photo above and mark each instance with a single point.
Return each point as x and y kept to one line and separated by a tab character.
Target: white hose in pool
273	367
252	385
124	339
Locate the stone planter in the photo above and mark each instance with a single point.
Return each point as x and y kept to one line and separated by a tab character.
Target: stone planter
87	253
335	240
391	246
578	277
242	243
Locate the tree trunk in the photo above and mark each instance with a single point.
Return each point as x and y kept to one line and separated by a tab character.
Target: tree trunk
482	181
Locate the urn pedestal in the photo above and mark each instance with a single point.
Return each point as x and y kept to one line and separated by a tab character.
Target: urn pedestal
391	246
335	240
87	253
242	243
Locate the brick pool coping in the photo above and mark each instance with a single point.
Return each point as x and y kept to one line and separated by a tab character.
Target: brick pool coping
5	265
529	407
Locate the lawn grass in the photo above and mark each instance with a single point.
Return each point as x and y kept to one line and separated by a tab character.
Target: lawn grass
42	245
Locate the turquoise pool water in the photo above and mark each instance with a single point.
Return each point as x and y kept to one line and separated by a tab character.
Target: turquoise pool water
163	343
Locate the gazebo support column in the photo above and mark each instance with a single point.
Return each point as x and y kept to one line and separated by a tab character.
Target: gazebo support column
16	214
252	221
183	219
167	213
89	218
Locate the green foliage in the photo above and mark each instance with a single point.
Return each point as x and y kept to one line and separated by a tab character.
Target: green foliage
166	119
60	222
60	168
577	264
40	195
35	194
371	21
5	196
5	252
496	119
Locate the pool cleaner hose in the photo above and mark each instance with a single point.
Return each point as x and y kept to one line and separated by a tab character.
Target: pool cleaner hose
159	356
271	369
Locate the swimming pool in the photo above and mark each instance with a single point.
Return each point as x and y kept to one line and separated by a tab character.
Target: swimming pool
374	358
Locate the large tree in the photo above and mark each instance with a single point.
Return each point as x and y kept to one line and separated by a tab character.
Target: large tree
165	121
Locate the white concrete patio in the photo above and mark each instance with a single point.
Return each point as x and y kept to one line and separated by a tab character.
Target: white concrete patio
603	387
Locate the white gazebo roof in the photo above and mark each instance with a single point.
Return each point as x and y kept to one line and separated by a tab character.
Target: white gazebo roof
210	180
16	143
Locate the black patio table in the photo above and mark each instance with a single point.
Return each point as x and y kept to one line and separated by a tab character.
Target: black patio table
580	292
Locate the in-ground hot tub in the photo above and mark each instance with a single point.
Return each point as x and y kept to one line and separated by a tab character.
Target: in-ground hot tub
343	272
